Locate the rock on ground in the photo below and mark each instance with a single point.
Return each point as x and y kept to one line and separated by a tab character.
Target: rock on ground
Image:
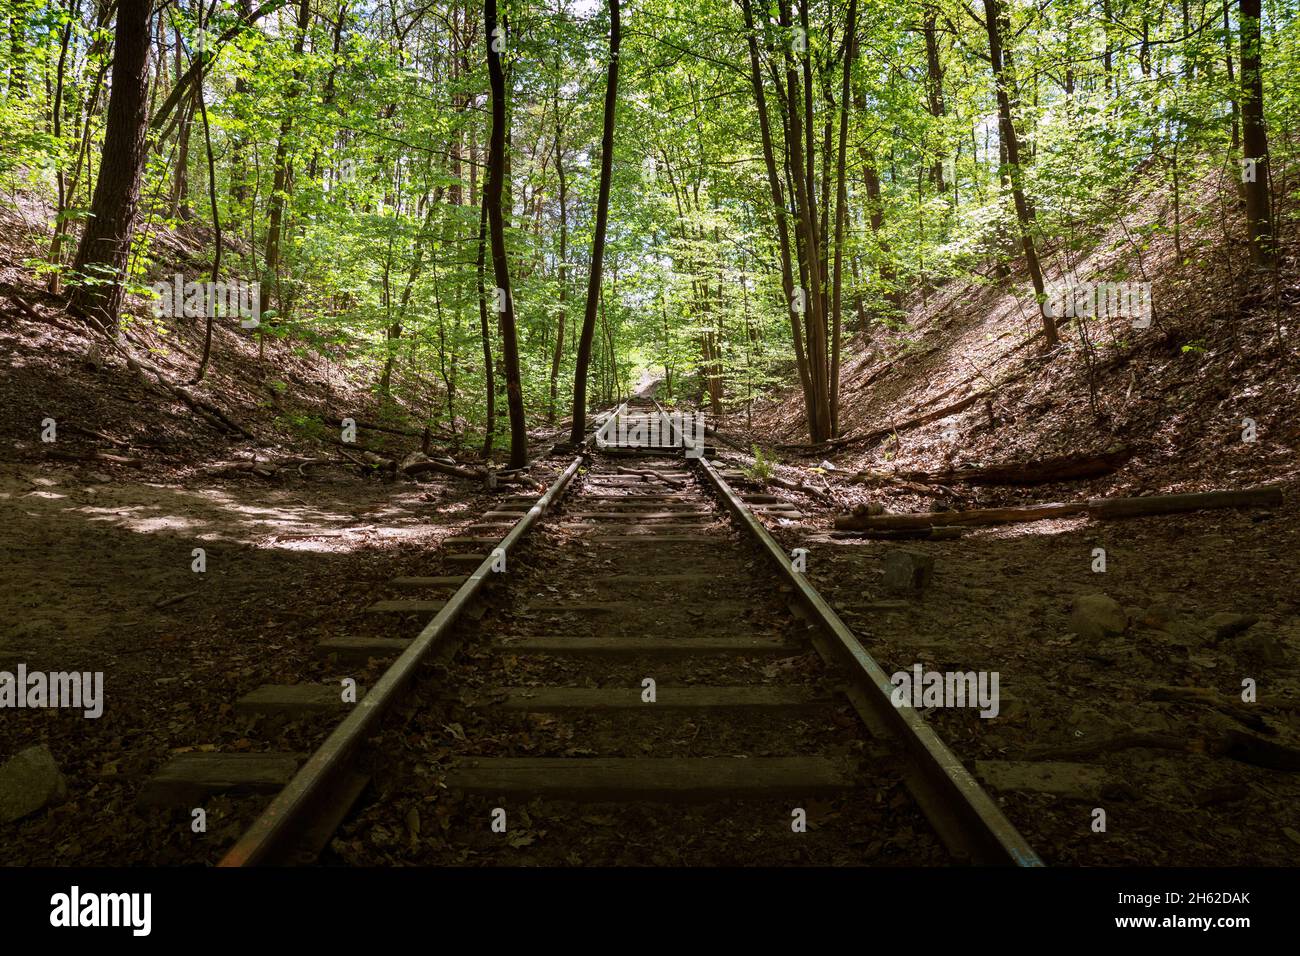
907	570
28	782
1095	616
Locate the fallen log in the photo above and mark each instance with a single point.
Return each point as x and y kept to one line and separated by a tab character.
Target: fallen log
923	419
418	464
380	462
1099	508
801	486
1043	471
203	408
35	316
1269	496
458	471
376	427
91	433
975	516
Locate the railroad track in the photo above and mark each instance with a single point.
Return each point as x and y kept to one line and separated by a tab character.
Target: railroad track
654	600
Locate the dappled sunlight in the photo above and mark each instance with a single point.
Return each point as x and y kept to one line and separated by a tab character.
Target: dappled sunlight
257	517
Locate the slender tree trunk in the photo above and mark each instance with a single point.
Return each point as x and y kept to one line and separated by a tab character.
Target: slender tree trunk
934	88
61	178
217	240
280	182
598	240
496	227
562	267
180	196
841	202
801	153
1254	137
485	332
1024	212
104	253
1232	79
779	211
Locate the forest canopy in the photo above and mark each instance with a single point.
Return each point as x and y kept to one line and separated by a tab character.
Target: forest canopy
462	199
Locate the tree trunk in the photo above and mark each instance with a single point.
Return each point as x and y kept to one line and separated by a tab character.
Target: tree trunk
1024	212
598	240
496	227
800	153
779	212
841	202
280	183
485	331
1232	79
562	266
934	88
1254	136
105	249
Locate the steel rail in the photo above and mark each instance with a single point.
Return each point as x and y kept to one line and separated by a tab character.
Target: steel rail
275	825
959	809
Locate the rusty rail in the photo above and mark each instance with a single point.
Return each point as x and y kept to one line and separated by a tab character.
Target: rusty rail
280	821
964	816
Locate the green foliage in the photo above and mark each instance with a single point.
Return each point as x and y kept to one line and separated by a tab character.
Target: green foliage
303	425
761	469
378	130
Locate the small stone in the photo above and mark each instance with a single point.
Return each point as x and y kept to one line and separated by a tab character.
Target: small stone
907	570
28	782
98	477
1227	624
827	466
1095	615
